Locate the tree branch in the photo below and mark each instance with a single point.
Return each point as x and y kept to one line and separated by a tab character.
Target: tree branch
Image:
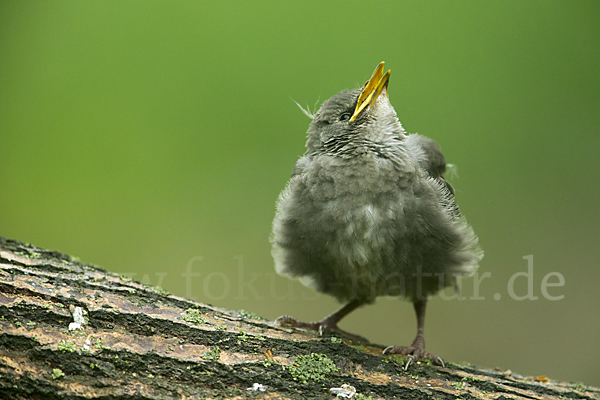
136	341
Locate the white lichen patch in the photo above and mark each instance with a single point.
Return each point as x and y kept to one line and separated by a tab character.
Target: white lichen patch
344	392
257	387
78	319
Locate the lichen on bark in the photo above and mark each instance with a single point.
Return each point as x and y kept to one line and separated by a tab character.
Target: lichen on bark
140	342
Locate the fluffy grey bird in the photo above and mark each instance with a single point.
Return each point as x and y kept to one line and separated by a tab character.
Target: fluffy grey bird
367	213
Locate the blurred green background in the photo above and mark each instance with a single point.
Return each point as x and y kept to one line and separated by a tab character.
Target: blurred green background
153	138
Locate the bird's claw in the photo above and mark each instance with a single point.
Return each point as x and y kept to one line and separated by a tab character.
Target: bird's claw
410	361
322	327
439	360
286	321
414	353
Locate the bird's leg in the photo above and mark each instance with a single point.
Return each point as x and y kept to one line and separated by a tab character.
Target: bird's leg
328	324
417	349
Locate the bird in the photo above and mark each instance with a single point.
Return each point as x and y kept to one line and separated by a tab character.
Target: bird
367	212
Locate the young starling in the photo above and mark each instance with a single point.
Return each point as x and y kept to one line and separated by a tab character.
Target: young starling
367	213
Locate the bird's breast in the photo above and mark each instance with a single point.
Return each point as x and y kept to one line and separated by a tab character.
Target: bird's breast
353	211
356	182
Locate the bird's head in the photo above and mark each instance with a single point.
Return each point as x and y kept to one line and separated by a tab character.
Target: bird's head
356	121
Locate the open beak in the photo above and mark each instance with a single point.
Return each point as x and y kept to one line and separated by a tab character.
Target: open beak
372	89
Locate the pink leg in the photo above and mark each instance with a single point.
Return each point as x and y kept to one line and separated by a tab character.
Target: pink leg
417	349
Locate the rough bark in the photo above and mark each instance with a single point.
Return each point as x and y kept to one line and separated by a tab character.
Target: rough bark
139	342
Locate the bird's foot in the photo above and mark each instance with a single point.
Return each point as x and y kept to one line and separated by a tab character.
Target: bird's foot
323	327
415	352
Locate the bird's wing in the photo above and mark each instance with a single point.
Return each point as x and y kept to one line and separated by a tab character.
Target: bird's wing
432	160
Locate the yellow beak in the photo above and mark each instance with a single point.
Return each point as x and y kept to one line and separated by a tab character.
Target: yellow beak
372	89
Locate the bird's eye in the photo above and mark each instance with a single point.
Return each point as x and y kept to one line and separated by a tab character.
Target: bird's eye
344	117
